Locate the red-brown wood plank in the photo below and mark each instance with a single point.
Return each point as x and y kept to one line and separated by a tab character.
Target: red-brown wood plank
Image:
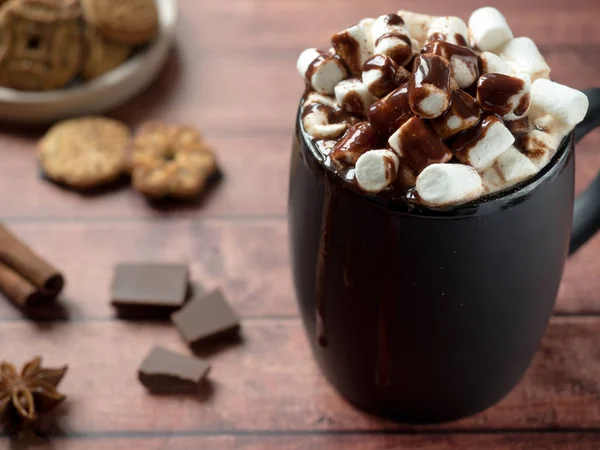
238	25
522	441
256	171
247	258
254	184
270	382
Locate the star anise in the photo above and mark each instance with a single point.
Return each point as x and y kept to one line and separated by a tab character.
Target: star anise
26	396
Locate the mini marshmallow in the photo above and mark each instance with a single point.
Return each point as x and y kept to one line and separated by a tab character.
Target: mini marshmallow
359	139
510	168
482	144
519	127
382	75
417	25
508	95
462	115
540	146
353	96
569	106
376	170
429	88
450	29
354	45
391	38
321	71
463	60
488	29
492	63
448	184
416	143
524	54
316	122
315	97
387	23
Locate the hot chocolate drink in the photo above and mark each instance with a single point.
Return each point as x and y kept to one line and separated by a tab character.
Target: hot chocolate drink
426	109
431	201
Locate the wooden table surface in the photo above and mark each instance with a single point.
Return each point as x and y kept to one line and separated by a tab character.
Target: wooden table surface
233	75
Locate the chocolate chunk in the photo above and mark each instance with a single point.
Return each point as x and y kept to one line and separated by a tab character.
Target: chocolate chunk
205	319
164	371
149	291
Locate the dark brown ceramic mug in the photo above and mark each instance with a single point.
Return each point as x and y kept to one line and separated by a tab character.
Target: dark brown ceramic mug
426	315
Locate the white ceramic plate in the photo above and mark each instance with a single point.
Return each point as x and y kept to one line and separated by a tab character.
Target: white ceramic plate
101	94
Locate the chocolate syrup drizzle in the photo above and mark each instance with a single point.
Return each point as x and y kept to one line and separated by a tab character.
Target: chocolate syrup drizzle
349	265
327	218
383	375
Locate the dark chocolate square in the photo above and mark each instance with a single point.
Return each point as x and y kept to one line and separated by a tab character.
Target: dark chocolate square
206	318
164	371
148	290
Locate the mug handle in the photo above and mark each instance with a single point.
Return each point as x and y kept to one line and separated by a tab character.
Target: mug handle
586	212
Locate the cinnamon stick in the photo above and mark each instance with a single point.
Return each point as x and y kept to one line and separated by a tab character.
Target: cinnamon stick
15	254
17	288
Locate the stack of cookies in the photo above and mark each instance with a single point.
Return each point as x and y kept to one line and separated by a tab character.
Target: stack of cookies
164	161
46	44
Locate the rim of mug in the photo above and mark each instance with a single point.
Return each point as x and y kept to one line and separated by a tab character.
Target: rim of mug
488	203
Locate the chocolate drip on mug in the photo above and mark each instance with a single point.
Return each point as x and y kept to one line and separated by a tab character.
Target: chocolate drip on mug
327	218
387	295
349	265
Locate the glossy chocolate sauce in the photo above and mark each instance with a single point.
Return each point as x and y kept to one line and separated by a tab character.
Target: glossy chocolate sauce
314	66
421	147
400	53
387	299
325	243
431	72
387	114
463	142
389	73
348	49
359	139
494	91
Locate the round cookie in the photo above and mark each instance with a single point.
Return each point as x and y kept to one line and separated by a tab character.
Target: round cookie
102	56
84	153
130	22
170	161
41	44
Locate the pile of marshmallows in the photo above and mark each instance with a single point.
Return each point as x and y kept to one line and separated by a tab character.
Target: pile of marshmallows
413	80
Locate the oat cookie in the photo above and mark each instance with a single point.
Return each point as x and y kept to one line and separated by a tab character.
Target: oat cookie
40	43
84	153
171	161
131	22
101	55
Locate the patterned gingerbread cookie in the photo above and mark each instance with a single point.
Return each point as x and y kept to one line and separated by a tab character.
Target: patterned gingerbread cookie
101	56
40	43
130	22
170	161
84	153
